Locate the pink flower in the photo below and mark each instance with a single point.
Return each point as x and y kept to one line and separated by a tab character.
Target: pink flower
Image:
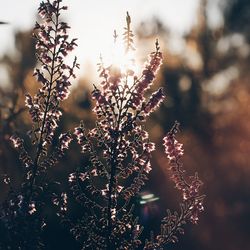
154	102
64	141
17	141
190	190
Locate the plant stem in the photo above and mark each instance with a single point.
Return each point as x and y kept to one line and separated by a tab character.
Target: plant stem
114	153
110	191
47	103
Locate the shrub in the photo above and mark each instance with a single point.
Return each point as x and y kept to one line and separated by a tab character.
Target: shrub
118	151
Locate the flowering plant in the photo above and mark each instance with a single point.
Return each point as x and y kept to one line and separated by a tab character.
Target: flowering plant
21	212
119	153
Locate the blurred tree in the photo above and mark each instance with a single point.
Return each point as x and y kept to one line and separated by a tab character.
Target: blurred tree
21	61
184	72
18	65
237	16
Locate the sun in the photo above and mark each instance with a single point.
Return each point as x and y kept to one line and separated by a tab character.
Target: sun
117	56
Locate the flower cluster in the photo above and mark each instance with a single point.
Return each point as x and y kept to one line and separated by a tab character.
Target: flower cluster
23	156
154	101
52	45
192	200
190	190
119	150
144	83
23	208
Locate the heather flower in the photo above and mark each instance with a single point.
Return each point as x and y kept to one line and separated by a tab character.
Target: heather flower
174	151
6	179
32	208
72	177
17	142
83	176
23	156
150	70
192	200
52	44
119	153
154	102
64	141
64	202
21	213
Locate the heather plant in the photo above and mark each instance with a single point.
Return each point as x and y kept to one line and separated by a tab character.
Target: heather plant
21	213
118	152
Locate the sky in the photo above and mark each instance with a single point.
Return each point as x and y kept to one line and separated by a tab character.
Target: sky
93	21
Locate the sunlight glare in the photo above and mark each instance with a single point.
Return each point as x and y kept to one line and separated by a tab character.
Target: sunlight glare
117	57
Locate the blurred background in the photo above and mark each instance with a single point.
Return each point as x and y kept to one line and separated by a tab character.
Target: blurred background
206	76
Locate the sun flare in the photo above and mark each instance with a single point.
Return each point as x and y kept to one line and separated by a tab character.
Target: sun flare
119	58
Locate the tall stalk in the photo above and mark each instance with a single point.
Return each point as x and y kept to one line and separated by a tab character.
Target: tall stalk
118	150
23	212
